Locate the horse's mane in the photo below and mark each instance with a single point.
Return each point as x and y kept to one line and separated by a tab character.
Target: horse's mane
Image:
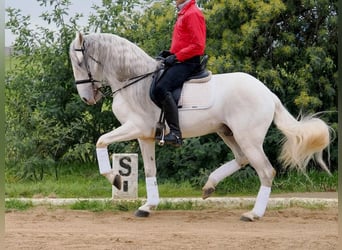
120	60
119	54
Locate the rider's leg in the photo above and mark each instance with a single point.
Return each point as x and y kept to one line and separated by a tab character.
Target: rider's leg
172	79
171	116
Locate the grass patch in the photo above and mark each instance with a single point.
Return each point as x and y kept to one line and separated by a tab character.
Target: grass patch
58	189
246	182
90	184
314	181
168	189
73	186
90	187
18	205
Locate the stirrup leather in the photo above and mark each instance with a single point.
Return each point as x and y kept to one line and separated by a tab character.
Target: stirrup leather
160	129
160	136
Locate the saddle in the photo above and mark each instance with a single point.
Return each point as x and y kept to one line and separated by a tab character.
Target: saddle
201	76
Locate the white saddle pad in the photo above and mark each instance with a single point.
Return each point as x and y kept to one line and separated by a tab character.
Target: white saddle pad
196	95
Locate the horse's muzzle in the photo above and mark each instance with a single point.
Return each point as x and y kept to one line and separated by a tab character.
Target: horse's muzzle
89	101
90	97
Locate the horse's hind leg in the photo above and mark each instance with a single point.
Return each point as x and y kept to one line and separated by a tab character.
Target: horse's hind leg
226	169
266	173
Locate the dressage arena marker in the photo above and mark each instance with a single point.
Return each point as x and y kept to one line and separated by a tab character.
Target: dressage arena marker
127	166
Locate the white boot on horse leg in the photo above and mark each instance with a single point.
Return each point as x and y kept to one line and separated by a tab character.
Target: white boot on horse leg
266	176
260	205
152	198
105	168
219	174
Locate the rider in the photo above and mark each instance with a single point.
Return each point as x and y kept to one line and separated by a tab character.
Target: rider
181	61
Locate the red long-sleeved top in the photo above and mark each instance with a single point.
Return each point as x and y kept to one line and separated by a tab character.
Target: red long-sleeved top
189	33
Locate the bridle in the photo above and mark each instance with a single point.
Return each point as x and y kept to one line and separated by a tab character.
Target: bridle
93	81
90	76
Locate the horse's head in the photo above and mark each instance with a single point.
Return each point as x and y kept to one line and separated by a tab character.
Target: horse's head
85	67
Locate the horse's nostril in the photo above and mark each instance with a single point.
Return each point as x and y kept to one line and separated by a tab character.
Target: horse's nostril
90	101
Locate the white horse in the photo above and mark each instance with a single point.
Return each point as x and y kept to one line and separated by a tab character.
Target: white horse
240	112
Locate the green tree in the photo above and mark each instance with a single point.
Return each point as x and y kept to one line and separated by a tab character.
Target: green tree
46	122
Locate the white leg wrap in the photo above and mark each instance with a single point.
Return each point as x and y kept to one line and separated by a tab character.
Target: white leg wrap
224	171
261	201
152	191
103	160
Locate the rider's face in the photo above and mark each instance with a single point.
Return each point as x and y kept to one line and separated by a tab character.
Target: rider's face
178	2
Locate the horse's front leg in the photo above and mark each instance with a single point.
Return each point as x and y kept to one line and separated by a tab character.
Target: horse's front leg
147	147
128	131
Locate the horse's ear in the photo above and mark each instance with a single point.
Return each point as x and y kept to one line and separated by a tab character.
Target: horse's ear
79	38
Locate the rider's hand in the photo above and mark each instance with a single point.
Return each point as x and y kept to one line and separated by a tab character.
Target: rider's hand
164	53
170	60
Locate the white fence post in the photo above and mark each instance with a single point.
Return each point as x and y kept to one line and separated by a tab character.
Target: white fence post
127	166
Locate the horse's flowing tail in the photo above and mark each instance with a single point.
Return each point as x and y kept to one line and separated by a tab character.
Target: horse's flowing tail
305	139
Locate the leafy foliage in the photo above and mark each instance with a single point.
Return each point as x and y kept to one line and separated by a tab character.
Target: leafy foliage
290	45
46	121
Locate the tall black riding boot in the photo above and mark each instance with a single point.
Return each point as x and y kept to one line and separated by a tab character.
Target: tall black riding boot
171	116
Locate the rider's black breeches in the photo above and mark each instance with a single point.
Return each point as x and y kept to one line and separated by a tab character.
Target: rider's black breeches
173	78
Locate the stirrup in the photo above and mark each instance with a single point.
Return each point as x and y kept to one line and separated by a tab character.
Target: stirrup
175	141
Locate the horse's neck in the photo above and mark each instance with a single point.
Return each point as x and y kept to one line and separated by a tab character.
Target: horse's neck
125	60
136	99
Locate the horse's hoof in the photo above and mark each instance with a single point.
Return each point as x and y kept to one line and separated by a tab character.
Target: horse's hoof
141	213
244	218
207	192
117	181
249	216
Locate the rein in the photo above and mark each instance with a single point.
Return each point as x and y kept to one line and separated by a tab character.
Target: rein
92	80
136	79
